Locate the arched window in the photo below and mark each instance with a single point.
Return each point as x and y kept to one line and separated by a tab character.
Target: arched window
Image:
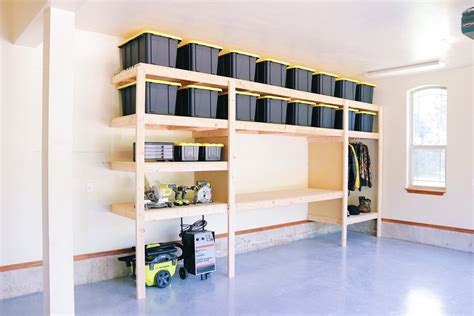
427	124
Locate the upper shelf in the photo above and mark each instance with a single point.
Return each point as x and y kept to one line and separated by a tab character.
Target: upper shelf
187	77
170	166
363	135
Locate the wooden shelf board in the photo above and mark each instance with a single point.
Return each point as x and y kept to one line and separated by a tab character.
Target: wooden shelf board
363	135
170	122
186	77
284	129
170	166
362	217
247	201
128	210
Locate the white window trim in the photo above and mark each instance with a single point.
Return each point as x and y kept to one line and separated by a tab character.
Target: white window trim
411	146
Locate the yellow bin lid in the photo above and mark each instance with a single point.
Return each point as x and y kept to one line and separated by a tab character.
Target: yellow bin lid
189	144
274	97
272	60
243	93
170	83
347	79
148	32
302	101
300	67
212	145
367	112
367	84
328	105
200	43
193	86
325	73
238	52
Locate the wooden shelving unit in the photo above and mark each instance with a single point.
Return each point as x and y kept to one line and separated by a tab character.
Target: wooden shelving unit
326	193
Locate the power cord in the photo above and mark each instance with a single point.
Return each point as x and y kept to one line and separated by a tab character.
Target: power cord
198	225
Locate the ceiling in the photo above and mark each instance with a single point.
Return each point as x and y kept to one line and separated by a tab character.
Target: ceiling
346	37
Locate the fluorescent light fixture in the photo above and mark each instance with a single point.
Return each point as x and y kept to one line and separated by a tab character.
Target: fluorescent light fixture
406	70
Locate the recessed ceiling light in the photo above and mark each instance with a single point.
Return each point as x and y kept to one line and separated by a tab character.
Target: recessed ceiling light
405	70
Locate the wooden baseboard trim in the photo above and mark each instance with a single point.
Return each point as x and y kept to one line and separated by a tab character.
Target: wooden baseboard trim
450	228
39	263
425	191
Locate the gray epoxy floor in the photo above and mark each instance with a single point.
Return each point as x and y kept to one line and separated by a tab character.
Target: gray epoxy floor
314	276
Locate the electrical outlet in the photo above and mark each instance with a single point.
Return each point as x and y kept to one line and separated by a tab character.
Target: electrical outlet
89	187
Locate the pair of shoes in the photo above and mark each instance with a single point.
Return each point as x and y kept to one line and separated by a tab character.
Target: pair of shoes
352	210
364	204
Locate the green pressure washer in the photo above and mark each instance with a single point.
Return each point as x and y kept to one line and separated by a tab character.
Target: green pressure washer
161	261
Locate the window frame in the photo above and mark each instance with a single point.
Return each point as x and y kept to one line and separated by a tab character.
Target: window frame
410	187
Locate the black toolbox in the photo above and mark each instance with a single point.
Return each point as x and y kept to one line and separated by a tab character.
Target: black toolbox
186	152
324	115
364	121
271	109
365	92
339	118
345	88
210	152
271	71
245	103
198	56
299	112
299	78
157	151
160	97
237	64
149	47
197	101
324	83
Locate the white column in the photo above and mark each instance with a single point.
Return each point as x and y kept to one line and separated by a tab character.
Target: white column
58	98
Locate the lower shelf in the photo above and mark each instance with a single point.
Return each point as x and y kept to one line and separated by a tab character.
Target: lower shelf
362	217
248	201
128	210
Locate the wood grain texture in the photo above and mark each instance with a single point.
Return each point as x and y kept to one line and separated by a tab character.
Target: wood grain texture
425	191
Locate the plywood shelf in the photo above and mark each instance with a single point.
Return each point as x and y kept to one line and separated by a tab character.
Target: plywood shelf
256	200
128	210
170	122
363	135
362	217
171	166
187	77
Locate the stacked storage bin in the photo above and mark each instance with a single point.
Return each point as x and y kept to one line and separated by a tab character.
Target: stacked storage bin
271	71
197	101
245	103
346	88
324	115
186	152
160	97
364	121
237	64
365	92
149	47
324	83
339	118
271	109
299	78
198	56
210	152
299	112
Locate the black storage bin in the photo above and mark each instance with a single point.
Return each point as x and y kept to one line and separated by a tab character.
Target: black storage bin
157	151
345	88
186	152
245	103
149	47
339	117
197	101
237	64
299	78
210	152
324	83
198	56
324	115
299	112
160	97
271	109
364	121
271	71
365	92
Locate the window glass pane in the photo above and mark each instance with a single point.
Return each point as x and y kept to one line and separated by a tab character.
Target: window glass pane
428	167
429	116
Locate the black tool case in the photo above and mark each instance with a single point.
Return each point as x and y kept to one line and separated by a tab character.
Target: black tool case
299	112
160	97
271	109
197	101
149	47
245	103
345	88
324	83
324	115
237	64
186	152
299	78
157	151
210	152
198	56
365	92
271	71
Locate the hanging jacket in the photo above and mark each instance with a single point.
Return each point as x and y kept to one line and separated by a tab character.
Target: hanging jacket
353	177
363	157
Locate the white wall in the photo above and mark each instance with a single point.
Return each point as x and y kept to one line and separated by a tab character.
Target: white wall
455	207
96	102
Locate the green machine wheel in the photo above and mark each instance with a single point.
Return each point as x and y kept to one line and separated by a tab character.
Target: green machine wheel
162	279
